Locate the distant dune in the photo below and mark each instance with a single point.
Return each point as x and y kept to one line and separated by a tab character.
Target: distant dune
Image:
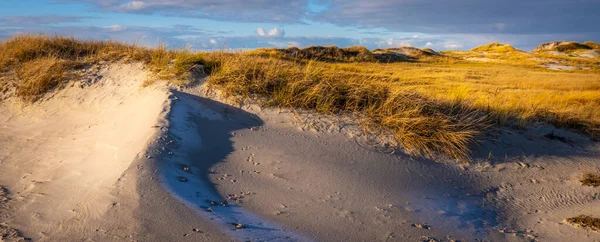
592	45
495	47
561	46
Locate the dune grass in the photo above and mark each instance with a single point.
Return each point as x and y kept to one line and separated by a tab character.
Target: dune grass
41	63
428	107
40	75
593	45
441	104
507	93
421	126
318	53
494	47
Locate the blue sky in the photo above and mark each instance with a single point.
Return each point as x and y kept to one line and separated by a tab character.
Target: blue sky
215	24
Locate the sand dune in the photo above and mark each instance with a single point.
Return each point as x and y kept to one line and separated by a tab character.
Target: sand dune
71	163
108	160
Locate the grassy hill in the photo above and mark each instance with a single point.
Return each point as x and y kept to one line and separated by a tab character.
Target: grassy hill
494	47
319	53
592	45
561	46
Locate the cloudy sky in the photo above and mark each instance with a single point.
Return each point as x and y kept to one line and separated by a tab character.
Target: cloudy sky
235	24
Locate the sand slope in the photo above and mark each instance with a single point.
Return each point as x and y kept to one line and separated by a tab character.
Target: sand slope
108	160
71	162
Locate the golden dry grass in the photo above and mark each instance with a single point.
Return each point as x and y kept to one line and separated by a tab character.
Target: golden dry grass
507	93
442	104
592	45
40	75
40	63
428	106
494	47
319	53
561	46
521	58
586	222
421	126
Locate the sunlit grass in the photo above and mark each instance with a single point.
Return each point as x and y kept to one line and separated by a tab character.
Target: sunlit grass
507	93
420	125
40	63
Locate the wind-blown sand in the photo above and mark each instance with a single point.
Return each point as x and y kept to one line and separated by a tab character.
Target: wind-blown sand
116	162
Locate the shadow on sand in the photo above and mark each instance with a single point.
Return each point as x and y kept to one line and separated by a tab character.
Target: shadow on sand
201	130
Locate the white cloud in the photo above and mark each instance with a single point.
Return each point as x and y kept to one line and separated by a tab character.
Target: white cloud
396	43
133	6
260	31
548	20
429	44
213	41
274	32
116	28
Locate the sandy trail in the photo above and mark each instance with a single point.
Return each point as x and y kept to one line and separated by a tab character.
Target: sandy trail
117	162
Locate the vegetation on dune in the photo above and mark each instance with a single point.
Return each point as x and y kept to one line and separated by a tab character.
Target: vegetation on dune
507	93
421	126
584	221
591	179
431	51
494	47
410	54
40	75
408	51
41	63
592	45
561	46
435	104
577	59
320	53
335	54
